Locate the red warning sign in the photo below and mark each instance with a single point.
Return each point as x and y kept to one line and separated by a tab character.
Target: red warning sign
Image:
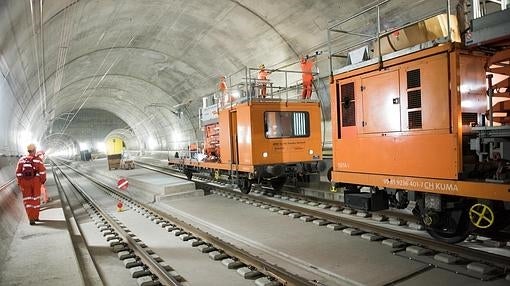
122	184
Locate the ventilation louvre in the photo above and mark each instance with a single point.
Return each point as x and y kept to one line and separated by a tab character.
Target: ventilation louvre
414	99
413	79
414	118
348	105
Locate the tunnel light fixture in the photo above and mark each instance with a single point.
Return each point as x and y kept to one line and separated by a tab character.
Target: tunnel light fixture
101	147
152	143
84	145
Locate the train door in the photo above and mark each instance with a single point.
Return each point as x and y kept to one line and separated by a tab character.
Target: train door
233	137
381	103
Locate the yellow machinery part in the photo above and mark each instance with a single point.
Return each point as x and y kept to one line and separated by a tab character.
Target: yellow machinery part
114	146
481	215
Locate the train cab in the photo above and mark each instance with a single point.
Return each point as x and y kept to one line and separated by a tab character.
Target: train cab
251	139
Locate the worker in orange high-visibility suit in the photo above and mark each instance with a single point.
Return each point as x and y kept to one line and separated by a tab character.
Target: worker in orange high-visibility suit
31	173
222	87
263	77
44	194
306	70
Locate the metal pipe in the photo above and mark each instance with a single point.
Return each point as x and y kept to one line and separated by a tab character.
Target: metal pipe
41	33
330	57
379	36
448	7
358	14
351	33
490	93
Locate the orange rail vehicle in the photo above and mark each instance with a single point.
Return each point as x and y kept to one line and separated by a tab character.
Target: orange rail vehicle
413	128
257	140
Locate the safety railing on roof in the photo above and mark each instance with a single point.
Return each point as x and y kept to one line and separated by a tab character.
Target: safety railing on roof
349	34
245	86
484	7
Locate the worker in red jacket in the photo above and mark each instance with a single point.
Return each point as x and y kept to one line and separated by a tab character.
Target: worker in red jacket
31	174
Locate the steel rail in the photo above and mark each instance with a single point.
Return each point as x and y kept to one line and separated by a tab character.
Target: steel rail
388	213
89	276
469	253
473	254
285	277
156	268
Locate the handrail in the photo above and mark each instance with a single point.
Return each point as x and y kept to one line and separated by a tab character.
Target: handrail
367	38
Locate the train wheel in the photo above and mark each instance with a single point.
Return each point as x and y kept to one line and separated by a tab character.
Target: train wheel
244	185
278	183
454	225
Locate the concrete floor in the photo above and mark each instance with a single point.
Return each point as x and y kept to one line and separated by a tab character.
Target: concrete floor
318	253
42	254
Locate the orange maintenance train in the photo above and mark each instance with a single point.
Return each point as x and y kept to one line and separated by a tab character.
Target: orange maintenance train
252	139
414	125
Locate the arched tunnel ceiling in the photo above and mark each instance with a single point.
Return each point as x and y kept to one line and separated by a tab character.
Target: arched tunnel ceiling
127	56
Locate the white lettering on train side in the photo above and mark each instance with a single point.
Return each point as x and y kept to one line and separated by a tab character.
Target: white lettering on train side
342	165
424	185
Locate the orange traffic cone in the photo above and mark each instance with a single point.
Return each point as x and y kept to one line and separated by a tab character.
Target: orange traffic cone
120	206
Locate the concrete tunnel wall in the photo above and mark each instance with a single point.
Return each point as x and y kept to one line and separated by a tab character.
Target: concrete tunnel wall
149	63
11	208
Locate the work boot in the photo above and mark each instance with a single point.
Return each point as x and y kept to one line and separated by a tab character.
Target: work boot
32	222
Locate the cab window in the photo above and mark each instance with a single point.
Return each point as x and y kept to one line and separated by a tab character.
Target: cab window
285	124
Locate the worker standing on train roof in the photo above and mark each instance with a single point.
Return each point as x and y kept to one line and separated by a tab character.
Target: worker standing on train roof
263	77
31	174
44	194
222	87
306	71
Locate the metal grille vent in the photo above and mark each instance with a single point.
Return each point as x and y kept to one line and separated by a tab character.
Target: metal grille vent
348	105
413	79
469	117
414	118
413	99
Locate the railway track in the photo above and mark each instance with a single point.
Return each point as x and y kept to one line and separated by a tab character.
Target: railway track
472	258
401	218
250	266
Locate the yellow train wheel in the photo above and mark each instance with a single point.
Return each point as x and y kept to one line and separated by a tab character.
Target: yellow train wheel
481	215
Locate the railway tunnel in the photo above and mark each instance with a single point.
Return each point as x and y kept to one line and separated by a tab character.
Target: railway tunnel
101	86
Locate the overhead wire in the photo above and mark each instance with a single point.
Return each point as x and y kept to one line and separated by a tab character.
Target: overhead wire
116	60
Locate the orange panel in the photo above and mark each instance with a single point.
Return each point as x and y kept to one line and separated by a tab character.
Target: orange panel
285	150
447	187
473	83
381	102
387	102
245	144
225	148
434	91
427	155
